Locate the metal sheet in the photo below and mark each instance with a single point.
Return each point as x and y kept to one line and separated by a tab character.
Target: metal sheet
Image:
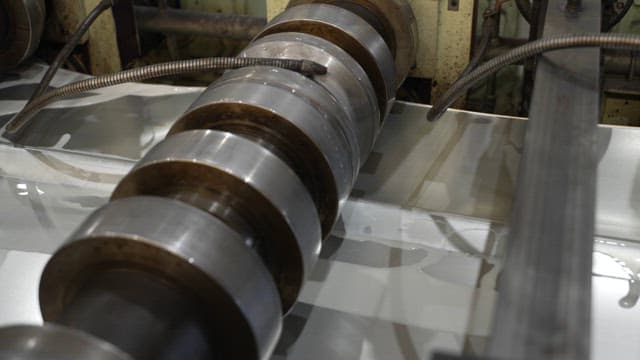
110	121
413	262
544	304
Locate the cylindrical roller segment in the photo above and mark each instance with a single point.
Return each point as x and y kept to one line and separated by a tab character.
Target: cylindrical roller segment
54	342
339	133
288	114
247	177
345	78
393	19
352	34
335	135
186	246
21	23
162	321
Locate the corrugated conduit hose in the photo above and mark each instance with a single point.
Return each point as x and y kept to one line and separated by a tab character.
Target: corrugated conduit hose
606	41
18	122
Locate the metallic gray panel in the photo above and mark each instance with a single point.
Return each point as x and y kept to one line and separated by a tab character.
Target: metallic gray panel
544	304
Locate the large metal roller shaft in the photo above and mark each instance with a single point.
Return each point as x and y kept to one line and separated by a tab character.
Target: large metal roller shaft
207	242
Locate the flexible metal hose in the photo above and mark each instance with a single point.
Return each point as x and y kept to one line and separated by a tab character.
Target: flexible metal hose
605	41
21	119
62	56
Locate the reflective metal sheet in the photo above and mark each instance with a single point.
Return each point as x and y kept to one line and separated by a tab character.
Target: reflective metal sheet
110	121
412	264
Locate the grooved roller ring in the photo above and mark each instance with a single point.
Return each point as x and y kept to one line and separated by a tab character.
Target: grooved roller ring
314	144
186	246
352	34
394	20
346	80
248	178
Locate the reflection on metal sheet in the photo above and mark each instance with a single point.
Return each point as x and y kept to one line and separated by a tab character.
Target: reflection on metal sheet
411	266
107	121
467	165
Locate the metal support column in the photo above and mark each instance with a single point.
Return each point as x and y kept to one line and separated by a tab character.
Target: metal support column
545	290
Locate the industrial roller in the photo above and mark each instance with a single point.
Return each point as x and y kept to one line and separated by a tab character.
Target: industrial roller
352	34
394	21
244	185
276	108
346	80
21	26
206	243
206	265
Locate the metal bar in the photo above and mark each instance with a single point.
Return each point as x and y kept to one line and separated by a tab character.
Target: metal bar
126	31
545	291
172	21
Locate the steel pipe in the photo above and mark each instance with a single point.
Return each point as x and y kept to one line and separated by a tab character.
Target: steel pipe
203	257
185	22
227	172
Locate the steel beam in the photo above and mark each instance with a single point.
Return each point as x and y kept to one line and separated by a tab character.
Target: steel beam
545	291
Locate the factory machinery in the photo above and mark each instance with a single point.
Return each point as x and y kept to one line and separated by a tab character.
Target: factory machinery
207	242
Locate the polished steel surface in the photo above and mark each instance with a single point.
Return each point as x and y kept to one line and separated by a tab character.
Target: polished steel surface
54	342
335	116
544	305
274	114
345	79
162	320
25	23
351	33
412	264
185	245
105	121
393	19
238	174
